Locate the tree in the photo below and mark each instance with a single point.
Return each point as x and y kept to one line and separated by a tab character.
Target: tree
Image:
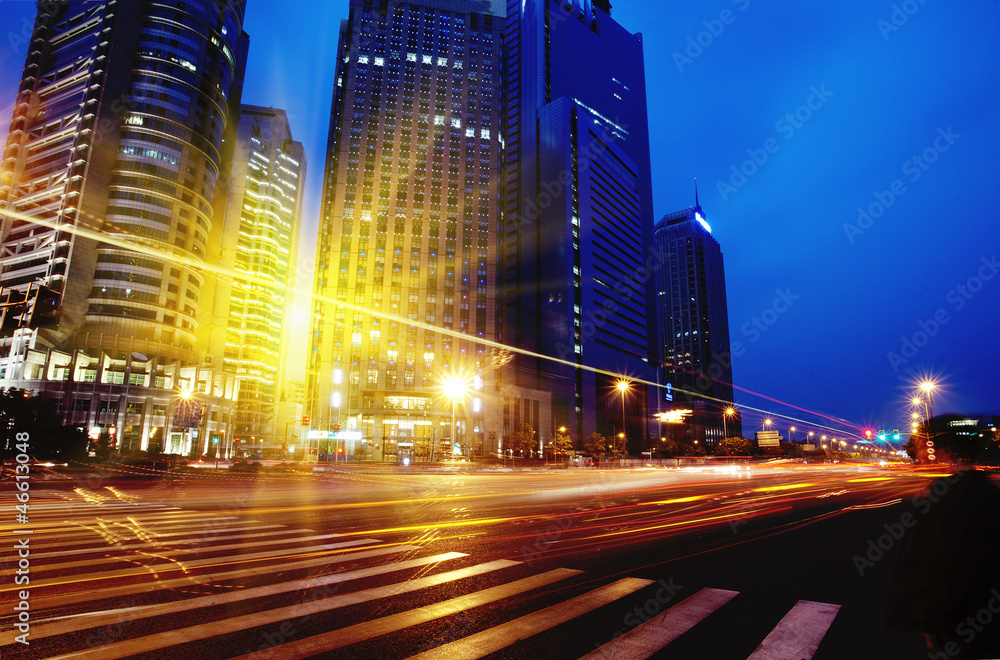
20	411
561	443
522	440
617	444
595	444
734	447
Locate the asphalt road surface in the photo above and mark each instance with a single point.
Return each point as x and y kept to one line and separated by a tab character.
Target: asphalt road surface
762	562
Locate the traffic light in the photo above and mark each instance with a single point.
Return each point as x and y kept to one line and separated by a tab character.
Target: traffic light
881	436
45	310
305	420
868	434
13	307
895	434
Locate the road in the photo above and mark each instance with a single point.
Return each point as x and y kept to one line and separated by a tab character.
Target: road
698	563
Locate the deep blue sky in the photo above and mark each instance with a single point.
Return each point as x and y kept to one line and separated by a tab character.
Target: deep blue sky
886	95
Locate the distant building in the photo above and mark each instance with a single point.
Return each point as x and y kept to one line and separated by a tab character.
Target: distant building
693	324
406	262
294	391
247	321
577	225
120	133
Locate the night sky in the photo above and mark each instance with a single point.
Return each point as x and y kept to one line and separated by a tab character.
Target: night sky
882	106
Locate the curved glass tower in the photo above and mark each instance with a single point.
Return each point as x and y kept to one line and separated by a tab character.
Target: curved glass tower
120	136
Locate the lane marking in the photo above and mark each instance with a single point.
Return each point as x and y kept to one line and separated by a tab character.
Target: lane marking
78	622
159	541
799	633
502	636
204	631
151	571
157	552
648	638
209	578
360	632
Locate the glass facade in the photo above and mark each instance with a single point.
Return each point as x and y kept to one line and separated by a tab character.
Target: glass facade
407	253
577	214
694	323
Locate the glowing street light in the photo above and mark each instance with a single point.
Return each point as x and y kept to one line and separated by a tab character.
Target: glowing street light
927	387
623	387
455	387
791	430
730	411
767	422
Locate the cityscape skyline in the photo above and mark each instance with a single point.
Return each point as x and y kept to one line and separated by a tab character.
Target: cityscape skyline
779	358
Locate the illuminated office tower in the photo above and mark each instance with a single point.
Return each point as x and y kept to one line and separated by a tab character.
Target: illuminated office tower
107	190
408	233
694	325
577	235
251	308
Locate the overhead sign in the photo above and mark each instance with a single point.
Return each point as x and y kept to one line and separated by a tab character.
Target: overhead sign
768	439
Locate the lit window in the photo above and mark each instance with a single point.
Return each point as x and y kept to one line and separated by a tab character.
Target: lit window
427	59
477	404
335	400
442	61
457	64
485	134
411	57
338	376
379	61
456	123
439	120
470	132
362	59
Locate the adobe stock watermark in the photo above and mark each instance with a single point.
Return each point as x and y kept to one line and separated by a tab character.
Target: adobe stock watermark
913	168
642	613
876	548
898	17
959	296
786	127
753	330
714	28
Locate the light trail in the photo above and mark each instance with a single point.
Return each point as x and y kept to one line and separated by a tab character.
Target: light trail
157	250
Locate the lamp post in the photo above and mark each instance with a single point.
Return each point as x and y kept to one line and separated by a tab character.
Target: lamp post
927	387
791	430
729	412
623	386
455	388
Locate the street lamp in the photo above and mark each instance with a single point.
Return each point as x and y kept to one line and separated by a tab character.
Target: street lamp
767	422
455	387
791	430
623	386
730	411
927	387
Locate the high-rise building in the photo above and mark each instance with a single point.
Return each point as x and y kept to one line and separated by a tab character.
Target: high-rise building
248	333
107	190
577	235
406	264
695	363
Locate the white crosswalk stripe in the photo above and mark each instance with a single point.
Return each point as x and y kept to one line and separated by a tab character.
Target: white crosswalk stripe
648	638
170	577
798	634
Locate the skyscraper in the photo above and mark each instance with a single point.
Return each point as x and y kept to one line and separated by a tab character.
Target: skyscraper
577	236
248	326
406	263
694	324
107	191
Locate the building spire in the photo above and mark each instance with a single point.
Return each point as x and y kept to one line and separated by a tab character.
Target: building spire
697	206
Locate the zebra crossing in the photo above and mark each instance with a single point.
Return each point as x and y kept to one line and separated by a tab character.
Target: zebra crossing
117	577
